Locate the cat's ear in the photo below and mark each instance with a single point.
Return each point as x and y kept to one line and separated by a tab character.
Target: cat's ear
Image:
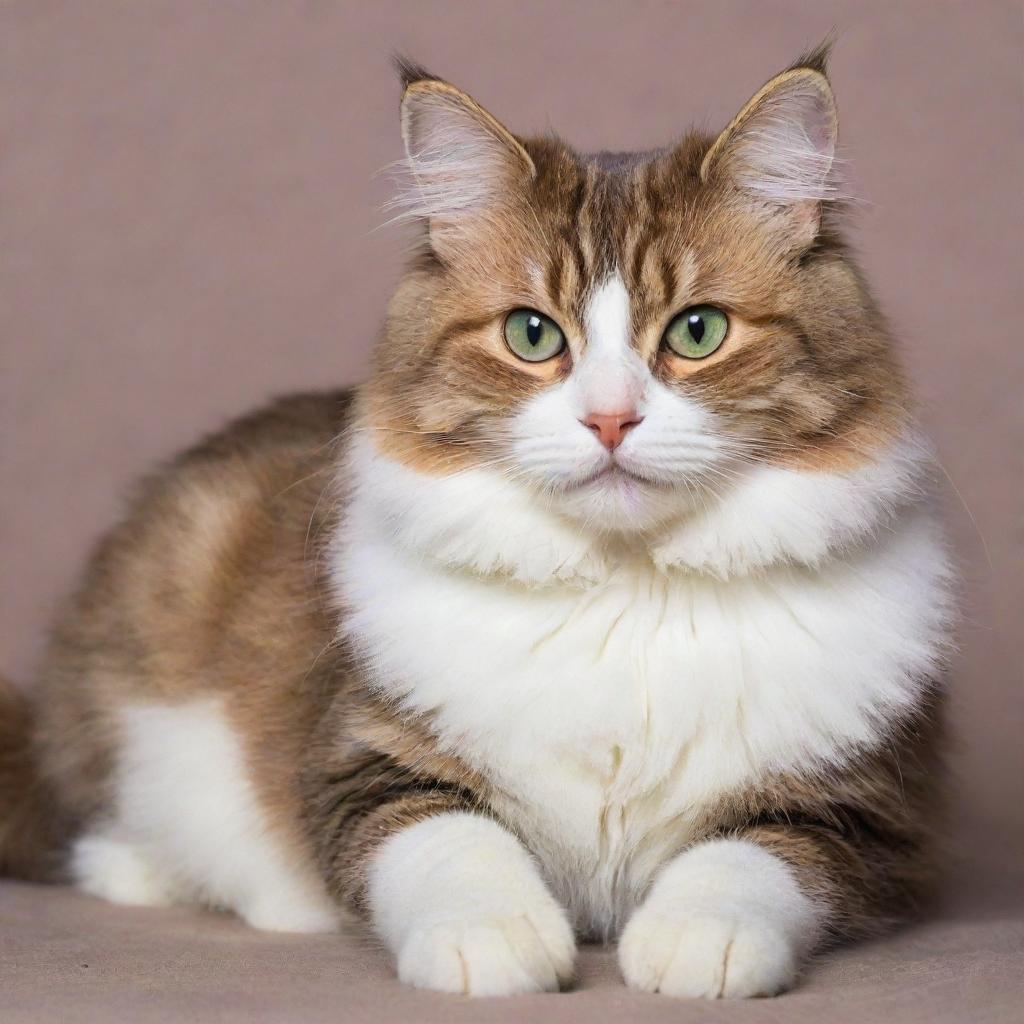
463	164
780	148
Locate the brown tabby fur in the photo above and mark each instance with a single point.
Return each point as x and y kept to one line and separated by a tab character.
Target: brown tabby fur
213	583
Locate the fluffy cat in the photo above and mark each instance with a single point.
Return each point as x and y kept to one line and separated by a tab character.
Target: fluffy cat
611	606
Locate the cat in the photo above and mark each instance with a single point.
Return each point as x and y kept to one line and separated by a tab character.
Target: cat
612	606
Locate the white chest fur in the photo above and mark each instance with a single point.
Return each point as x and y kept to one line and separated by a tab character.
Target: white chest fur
609	715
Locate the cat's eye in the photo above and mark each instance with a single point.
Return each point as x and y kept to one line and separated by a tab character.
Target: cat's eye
533	336
697	331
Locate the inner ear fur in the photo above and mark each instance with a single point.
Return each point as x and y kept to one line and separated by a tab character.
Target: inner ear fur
453	104
779	149
463	163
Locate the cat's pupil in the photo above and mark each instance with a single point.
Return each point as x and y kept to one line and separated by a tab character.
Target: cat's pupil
534	329
696	324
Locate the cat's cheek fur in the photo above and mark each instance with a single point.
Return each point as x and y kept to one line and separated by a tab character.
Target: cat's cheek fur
781	514
463	908
725	919
471	519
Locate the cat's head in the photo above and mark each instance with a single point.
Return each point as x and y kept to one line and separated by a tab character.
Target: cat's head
625	335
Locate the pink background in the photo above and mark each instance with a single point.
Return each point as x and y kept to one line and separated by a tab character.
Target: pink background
189	194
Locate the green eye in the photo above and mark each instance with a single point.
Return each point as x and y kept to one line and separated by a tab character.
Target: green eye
697	332
533	336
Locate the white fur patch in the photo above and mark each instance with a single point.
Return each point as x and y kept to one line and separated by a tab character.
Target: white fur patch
188	827
607	320
725	919
463	908
610	377
779	515
475	520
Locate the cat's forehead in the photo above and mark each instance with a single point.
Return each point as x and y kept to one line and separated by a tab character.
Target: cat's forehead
622	215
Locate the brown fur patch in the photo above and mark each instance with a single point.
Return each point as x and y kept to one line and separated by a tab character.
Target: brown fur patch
208	588
374	771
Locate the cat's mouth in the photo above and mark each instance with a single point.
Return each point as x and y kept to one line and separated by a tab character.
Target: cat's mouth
612	474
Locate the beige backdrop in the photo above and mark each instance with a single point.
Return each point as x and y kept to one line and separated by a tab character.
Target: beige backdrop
189	193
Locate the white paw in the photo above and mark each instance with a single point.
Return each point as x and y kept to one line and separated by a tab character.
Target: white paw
463	907
725	919
490	957
706	957
118	871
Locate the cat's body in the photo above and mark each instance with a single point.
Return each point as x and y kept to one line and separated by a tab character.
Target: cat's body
374	649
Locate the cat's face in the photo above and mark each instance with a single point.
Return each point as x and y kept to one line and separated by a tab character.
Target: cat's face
625	335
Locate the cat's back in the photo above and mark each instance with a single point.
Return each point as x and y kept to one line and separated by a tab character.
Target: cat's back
207	588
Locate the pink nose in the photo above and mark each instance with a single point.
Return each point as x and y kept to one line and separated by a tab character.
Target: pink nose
611	427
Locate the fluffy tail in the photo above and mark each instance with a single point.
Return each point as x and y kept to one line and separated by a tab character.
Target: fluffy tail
31	835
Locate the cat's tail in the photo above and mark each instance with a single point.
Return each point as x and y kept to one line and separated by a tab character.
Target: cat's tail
31	835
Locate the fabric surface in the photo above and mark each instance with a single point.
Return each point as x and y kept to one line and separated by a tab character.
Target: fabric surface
65	957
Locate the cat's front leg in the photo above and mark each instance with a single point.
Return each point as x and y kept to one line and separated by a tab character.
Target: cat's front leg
727	918
462	906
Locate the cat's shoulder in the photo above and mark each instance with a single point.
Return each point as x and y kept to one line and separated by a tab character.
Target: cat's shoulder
242	500
271	456
305	423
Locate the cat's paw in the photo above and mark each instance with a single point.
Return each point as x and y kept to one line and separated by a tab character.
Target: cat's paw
120	871
490	957
726	919
464	909
706	957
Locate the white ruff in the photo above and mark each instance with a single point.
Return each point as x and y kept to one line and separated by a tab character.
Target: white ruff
612	693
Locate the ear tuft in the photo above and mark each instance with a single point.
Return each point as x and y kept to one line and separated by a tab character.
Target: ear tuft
817	58
410	71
